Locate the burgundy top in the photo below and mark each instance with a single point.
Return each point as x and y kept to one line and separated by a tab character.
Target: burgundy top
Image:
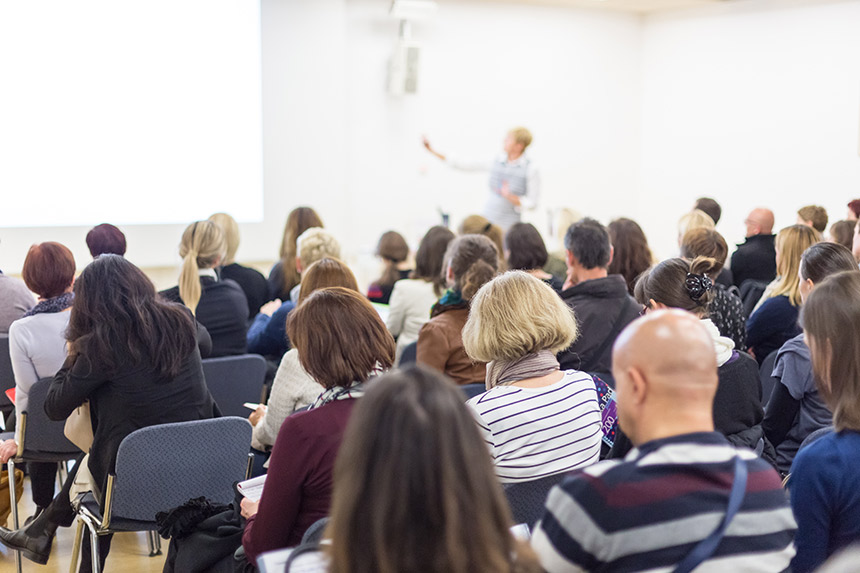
299	483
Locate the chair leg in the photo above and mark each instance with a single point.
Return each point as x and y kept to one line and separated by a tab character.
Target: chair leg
13	503
94	547
154	542
76	548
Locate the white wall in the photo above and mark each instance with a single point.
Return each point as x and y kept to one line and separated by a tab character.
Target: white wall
753	103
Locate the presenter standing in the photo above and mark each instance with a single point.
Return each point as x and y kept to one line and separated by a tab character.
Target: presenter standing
514	181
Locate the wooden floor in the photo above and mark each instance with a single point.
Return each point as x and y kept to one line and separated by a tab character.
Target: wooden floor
129	552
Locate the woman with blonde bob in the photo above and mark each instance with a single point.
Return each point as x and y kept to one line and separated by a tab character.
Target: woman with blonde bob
219	305
414	489
825	476
774	320
538	420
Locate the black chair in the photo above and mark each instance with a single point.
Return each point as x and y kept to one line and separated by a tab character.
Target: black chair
409	354
815	436
768	381
472	390
527	499
234	380
751	291
7	378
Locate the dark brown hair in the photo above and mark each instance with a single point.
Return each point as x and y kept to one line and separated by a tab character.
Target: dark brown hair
815	214
703	242
414	486
340	337
854	205
299	220
431	255
49	269
842	232
631	254
824	259
711	207
118	319
831	320
392	248
325	273
474	262
105	239
667	283
525	246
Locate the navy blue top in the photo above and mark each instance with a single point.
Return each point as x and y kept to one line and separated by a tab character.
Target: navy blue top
268	334
825	498
771	326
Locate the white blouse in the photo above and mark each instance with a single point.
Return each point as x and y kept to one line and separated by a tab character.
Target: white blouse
408	310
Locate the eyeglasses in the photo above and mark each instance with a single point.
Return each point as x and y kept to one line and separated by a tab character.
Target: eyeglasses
645	308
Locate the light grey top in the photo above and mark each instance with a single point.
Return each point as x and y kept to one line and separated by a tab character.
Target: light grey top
15	300
408	310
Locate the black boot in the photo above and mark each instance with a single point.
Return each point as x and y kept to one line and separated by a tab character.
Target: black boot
30	519
33	540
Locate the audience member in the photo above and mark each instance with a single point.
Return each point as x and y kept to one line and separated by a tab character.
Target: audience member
842	232
774	320
853	210
710	207
685	285
602	305
219	305
726	309
755	258
855	242
135	359
314	244
37	347
252	281
825	481
537	420
631	254
479	225
526	251
795	409
394	252
695	219
293	388
284	275
412	298
470	262
105	239
15	300
341	342
414	487
670	504
813	216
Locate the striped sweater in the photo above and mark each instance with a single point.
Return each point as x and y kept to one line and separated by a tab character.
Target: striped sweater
647	512
537	432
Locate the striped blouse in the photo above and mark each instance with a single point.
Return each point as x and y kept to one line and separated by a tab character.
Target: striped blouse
538	432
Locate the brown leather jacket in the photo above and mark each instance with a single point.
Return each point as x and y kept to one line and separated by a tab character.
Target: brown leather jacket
440	345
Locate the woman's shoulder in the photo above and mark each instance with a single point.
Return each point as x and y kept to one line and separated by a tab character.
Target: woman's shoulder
41	323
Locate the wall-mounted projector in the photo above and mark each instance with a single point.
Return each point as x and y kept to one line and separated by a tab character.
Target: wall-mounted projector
403	65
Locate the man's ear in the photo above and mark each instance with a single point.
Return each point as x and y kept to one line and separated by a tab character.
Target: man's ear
570	259
611	254
637	387
299	265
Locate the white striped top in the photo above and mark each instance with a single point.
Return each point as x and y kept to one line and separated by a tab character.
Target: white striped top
538	432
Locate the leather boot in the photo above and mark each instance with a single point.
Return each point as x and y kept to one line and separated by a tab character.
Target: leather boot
33	540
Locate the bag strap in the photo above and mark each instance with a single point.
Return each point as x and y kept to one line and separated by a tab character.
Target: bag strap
613	334
706	547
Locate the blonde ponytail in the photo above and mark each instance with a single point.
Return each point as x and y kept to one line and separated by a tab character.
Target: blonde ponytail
202	246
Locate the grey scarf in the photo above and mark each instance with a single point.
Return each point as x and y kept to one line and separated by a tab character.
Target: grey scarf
535	365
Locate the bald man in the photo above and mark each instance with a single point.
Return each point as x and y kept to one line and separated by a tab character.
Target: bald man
755	258
671	493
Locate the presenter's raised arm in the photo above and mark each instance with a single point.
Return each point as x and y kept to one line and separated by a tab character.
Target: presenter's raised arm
429	148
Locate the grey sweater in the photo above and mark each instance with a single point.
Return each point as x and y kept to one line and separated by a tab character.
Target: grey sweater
15	300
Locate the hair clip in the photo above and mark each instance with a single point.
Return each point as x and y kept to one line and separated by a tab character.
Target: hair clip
697	285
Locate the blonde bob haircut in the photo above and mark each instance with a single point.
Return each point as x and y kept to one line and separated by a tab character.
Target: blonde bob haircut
231	235
316	244
516	314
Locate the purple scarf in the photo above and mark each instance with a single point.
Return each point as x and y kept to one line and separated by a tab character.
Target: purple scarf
51	305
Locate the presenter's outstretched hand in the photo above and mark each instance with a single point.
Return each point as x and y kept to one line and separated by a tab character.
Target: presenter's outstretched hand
428	147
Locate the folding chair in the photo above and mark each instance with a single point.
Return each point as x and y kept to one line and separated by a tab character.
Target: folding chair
161	467
527	498
7	379
42	440
234	380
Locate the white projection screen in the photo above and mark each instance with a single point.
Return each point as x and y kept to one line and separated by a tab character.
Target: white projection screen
129	111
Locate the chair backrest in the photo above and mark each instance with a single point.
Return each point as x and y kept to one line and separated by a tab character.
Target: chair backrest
472	390
527	498
409	354
234	380
768	381
815	436
162	467
7	377
751	291
41	434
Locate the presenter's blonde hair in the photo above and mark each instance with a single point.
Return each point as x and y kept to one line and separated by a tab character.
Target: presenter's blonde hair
231	235
315	244
517	314
202	247
522	136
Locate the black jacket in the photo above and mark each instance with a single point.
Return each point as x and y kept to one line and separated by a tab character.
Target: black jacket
253	284
755	259
602	307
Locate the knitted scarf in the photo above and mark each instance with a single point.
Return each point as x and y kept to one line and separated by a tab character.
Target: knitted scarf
51	305
529	366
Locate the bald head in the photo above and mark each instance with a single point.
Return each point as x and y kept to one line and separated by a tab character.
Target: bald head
665	369
759	222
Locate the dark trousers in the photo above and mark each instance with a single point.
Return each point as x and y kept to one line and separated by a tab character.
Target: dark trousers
60	512
42	476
